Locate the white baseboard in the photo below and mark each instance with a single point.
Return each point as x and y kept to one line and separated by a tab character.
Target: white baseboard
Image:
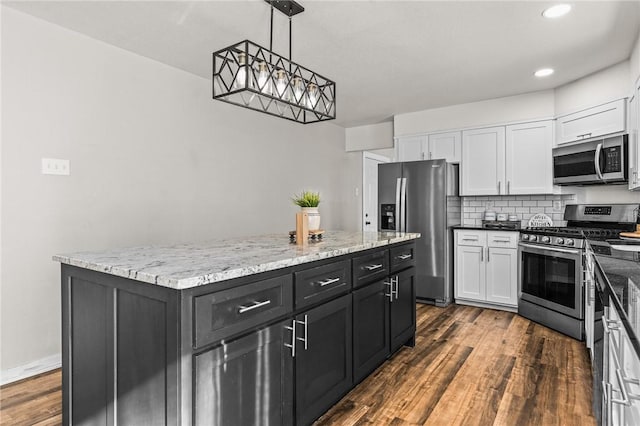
36	367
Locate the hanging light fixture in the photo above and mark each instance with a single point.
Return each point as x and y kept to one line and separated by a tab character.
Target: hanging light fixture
254	77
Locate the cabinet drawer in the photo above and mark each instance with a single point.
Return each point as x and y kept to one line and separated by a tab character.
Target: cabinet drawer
322	282
471	238
402	257
502	239
370	267
228	312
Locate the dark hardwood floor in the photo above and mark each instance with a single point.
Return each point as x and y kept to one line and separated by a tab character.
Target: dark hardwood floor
470	366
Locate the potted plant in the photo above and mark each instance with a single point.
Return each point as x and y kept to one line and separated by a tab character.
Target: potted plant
309	201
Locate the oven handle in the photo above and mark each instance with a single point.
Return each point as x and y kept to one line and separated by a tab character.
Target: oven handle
551	248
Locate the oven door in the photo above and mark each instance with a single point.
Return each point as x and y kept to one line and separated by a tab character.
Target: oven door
552	278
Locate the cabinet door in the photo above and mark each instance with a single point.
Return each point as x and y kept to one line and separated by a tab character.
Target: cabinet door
445	145
482	166
403	309
528	162
634	123
411	148
246	381
324	367
470	273
502	276
370	327
592	122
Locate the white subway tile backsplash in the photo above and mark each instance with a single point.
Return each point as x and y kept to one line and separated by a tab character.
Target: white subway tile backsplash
524	206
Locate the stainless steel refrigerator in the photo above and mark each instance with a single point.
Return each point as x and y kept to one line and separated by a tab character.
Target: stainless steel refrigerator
422	196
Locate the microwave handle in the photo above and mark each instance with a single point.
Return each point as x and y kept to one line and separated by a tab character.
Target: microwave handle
597	161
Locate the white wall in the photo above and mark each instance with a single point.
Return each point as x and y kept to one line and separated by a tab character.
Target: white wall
501	110
595	89
634	65
374	136
153	160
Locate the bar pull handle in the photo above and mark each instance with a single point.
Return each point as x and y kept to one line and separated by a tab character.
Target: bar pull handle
328	281
508	186
390	294
597	161
488	257
481	254
372	267
499	183
470	239
404	256
242	309
293	338
397	280
305	339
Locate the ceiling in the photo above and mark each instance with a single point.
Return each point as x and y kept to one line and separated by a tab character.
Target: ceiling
386	57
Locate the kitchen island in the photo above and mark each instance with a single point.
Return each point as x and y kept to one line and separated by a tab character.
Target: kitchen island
233	331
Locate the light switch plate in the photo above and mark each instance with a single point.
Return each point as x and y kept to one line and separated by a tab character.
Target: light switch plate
55	166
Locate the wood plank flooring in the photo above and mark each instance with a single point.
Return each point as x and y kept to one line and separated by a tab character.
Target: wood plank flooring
474	366
470	366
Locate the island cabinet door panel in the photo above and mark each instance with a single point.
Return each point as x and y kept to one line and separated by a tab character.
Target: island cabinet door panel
248	381
403	308
370	327
323	360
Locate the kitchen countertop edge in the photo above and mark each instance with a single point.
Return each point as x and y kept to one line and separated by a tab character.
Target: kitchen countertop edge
83	260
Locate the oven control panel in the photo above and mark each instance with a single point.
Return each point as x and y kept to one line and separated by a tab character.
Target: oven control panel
547	240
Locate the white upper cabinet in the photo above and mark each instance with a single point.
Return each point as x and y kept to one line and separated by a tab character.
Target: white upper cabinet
411	148
592	122
529	161
633	152
445	145
430	147
482	169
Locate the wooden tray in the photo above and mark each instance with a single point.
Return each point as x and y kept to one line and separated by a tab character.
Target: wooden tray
631	234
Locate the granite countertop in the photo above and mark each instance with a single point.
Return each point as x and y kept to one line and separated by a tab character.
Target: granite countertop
621	271
185	266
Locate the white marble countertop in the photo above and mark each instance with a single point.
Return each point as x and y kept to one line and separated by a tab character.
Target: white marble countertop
184	266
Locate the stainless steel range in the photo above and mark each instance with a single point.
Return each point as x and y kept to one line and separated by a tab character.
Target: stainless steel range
552	261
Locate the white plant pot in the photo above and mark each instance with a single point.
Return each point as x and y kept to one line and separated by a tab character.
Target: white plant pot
314	217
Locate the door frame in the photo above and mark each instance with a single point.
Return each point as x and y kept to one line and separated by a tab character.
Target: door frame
366	155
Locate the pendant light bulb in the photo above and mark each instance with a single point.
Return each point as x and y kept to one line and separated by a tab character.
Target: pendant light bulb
298	89
241	75
264	82
312	95
281	85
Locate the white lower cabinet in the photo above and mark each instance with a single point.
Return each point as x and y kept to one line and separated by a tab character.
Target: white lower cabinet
486	268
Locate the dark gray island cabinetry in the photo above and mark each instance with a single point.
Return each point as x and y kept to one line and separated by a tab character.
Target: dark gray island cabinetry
240	331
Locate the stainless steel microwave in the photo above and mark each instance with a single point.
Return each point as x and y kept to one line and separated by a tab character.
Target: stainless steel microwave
594	162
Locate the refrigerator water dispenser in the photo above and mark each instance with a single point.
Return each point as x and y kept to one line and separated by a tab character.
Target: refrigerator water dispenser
388	217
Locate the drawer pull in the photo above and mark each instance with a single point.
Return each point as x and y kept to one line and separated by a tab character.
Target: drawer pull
469	239
372	267
390	294
501	241
328	281
404	256
242	309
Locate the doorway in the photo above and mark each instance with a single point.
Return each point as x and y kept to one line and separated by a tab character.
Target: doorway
370	163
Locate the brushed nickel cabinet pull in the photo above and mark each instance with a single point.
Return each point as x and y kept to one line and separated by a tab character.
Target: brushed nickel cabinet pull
304	339
293	338
242	309
373	267
328	281
404	256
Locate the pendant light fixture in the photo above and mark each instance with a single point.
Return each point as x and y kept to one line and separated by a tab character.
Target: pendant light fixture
251	76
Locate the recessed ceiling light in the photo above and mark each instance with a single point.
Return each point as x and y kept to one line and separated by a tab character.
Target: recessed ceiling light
543	72
556	11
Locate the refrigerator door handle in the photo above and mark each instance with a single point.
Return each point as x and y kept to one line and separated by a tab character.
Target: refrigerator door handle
403	204
398	212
